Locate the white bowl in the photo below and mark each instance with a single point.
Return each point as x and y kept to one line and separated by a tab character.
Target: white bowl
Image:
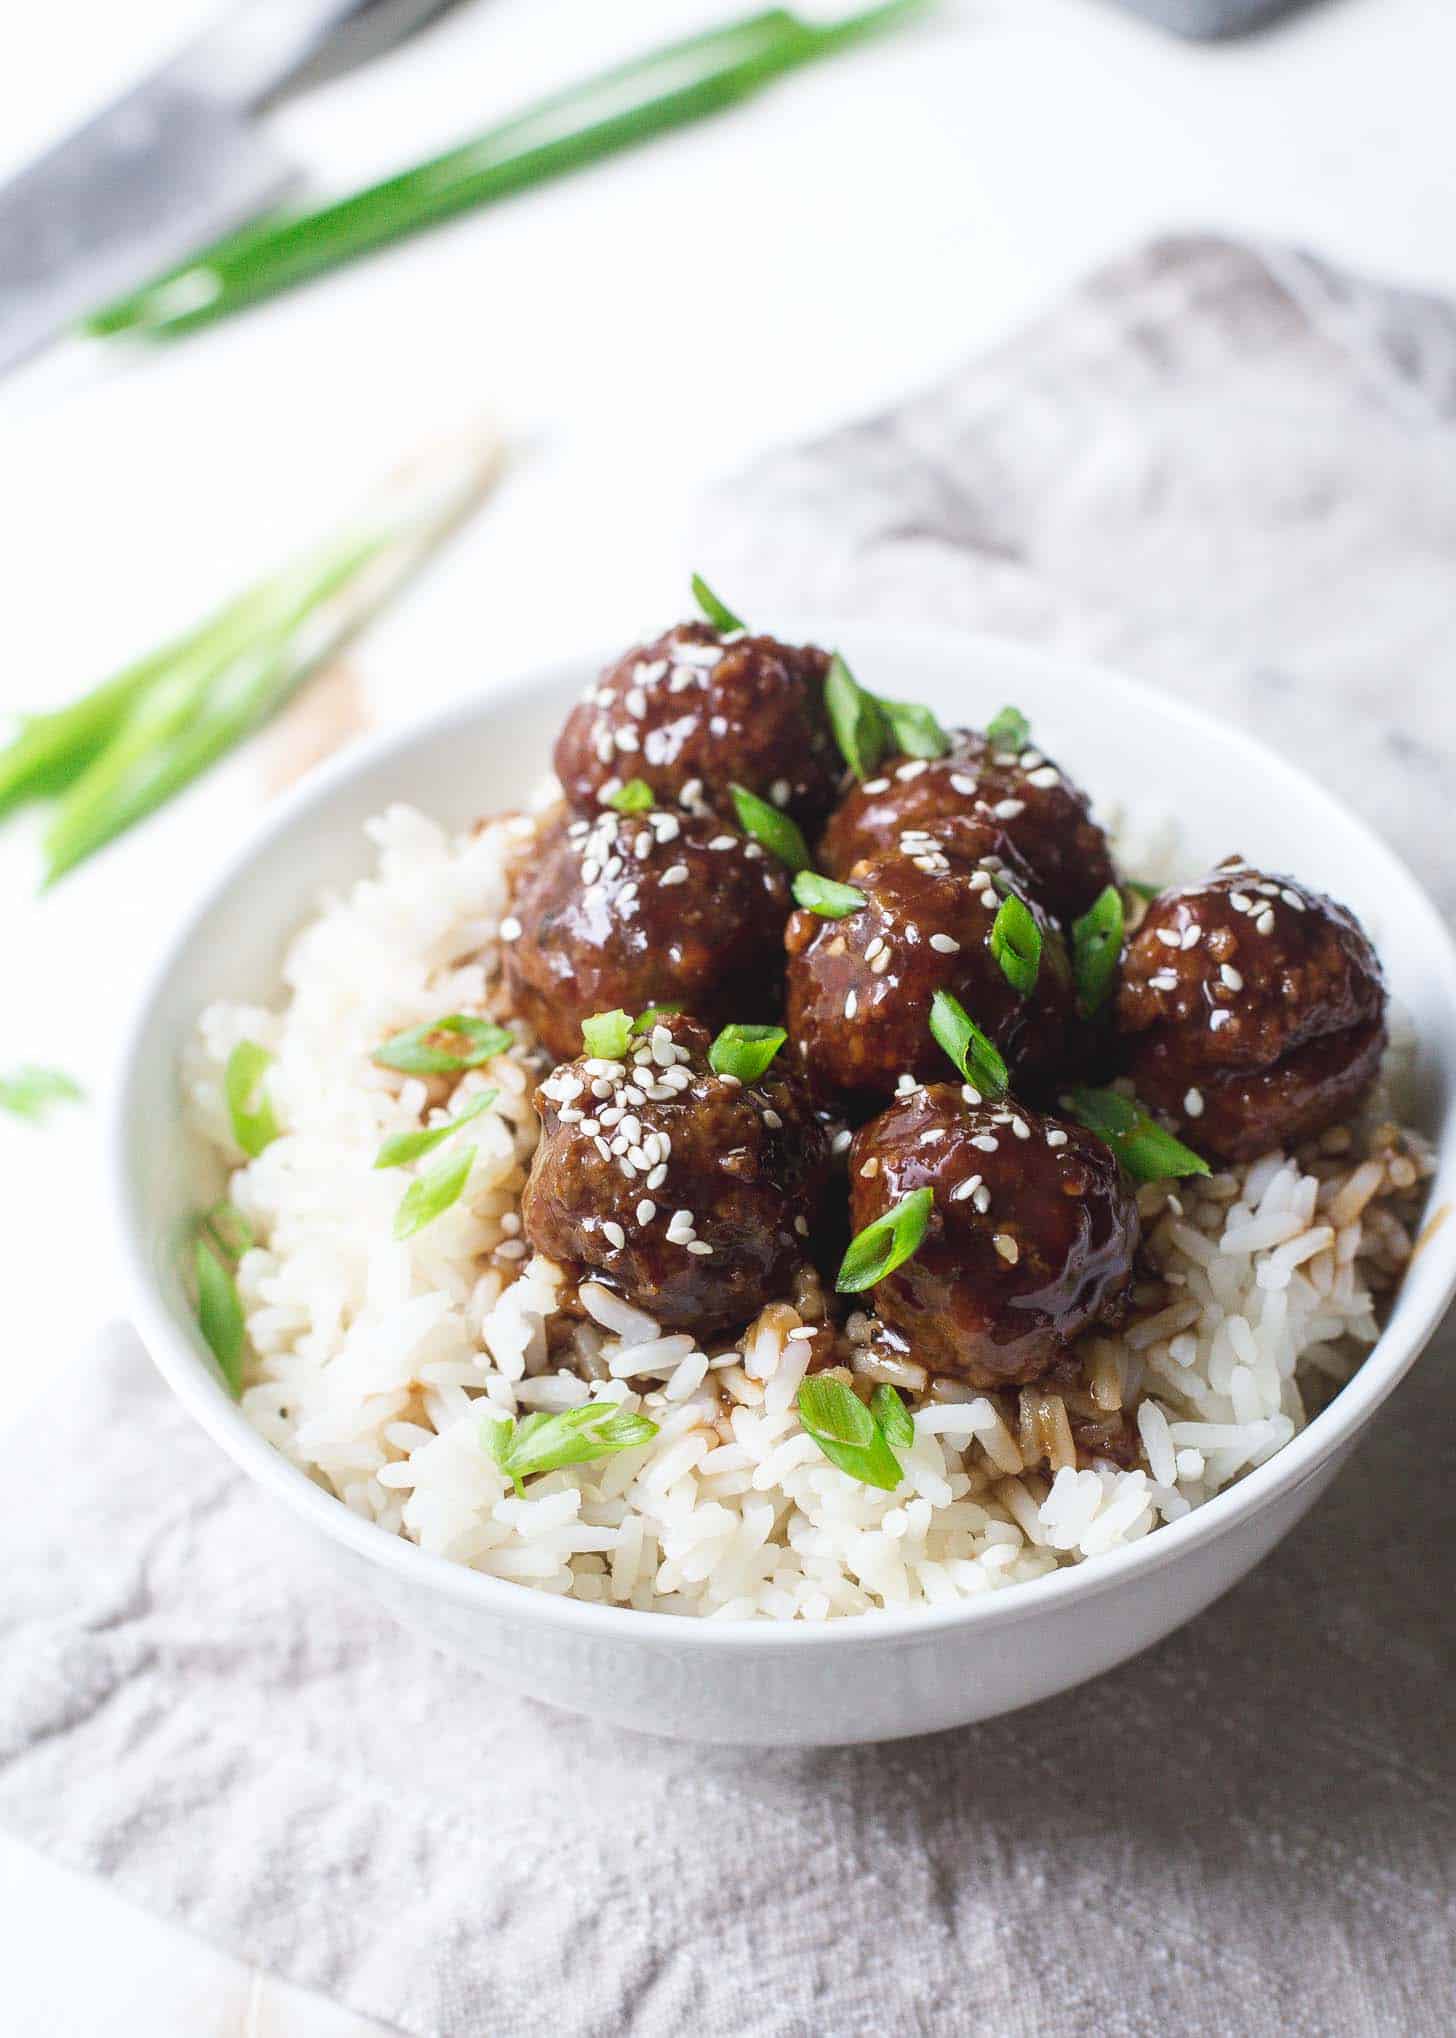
862	1679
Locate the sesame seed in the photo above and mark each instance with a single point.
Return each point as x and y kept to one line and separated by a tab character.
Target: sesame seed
1241	902
1169	937
1219	1018
772	1120
1193	1103
511	1249
936	1133
678	875
1020	1127
666	827
646	1210
779	791
1007	810
840	1141
966	1188
945	944
1231	977
717	725
876	785
636	702
870	1169
801	1225
701	1247
986	1141
1055	1136
961	784
1265	922
1165	980
881	963
602	744
851	1005
614	1234
627	738
972	1096
1006	1245
1192	936
1291	899
981	1200
911	770
510	928
642	843
723	842
1044	775
658	1176
874	948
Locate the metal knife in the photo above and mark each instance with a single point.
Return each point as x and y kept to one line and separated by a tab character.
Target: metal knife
176	162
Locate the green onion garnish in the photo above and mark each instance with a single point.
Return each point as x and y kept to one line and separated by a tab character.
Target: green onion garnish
860	729
823	896
226	1228
745	1051
545	1443
914	728
430	1195
220	1316
1142	890
645	1021
1096	945
885	1244
974	1055
779	835
607	1035
1145	1149
409	1146
1009	730
845	1431
718	613
443	1047
635	797
31	1092
254	1123
894	1418
1016	944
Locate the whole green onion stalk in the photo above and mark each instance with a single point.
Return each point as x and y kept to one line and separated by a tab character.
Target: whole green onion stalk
615	110
122	750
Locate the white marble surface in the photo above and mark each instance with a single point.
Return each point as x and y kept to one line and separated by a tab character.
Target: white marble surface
641	330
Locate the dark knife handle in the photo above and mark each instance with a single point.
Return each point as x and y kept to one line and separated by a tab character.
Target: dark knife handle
265	49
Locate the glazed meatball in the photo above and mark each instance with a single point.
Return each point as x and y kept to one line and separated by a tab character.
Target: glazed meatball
694	713
1253	1010
1031	1238
860	988
1046	819
632	910
690	1194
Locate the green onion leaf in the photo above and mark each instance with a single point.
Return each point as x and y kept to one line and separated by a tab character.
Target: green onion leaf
845	1431
1016	944
253	1120
645	1021
31	1092
1146	1150
226	1228
890	1412
443	1047
635	797
1096	945
914	728
977	1058
429	1195
885	1244
745	1051
718	613
778	834
545	1443
860	729
409	1146
220	1315
607	1035
1009	730
1142	890
823	896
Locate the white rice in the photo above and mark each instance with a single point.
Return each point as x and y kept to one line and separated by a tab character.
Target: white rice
372	1362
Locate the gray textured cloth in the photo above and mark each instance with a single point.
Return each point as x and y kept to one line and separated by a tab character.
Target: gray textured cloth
1240	479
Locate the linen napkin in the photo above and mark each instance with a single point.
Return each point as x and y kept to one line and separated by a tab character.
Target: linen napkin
1232	470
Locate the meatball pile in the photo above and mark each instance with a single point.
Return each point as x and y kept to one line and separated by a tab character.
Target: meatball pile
1245	1012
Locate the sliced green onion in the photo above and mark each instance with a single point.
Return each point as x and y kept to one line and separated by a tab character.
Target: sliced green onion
1009	730
1016	944
443	1047
1141	889
860	729
254	1123
885	1244
779	835
545	1443
914	728
635	797
226	1227
431	1194
410	1146
32	1092
889	1411
977	1058
645	1021
1145	1149
1096	946
718	613
845	1431
607	1035
823	896
745	1051
220	1316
